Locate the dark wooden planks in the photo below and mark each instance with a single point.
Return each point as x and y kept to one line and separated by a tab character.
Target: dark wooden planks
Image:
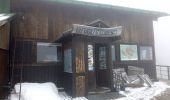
80	86
44	21
37	73
79	57
48	21
4	36
3	72
23	52
4	47
79	75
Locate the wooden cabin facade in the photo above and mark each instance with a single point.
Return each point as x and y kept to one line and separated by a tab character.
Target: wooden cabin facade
4	51
42	24
4	46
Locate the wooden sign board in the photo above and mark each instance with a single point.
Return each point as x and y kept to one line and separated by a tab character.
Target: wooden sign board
96	31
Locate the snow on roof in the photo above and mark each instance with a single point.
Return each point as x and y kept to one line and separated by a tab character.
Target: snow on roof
4	18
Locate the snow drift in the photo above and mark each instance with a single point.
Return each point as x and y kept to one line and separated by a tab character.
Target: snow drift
40	91
36	91
48	91
144	93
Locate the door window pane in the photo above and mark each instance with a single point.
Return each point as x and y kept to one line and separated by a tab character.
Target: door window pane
90	58
102	58
68	61
113	53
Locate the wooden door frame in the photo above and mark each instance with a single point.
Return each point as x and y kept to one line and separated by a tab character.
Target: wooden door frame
109	61
86	62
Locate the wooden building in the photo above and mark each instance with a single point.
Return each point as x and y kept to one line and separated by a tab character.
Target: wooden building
3	56
4	52
5	18
76	44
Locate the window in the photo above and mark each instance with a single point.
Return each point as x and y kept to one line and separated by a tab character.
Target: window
48	52
68	61
113	53
128	52
146	53
102	58
90	58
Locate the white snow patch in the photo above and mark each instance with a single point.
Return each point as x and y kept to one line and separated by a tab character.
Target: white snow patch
40	91
48	91
144	93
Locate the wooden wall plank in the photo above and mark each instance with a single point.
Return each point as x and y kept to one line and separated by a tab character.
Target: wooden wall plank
3	71
79	57
4	36
31	24
41	18
80	86
43	21
4	47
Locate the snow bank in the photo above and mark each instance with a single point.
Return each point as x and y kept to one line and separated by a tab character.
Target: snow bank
40	91
144	93
36	91
48	91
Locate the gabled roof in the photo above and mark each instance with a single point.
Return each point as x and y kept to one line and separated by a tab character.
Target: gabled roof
96	23
147	12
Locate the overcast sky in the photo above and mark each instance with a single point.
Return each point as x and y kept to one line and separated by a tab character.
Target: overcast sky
161	27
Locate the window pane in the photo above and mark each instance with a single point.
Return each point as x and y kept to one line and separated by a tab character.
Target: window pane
46	53
128	52
90	58
102	58
113	53
68	60
146	53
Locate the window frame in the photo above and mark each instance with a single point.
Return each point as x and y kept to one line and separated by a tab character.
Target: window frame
47	44
129	44
152	52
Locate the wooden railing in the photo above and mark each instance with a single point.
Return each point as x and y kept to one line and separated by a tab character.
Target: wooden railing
163	72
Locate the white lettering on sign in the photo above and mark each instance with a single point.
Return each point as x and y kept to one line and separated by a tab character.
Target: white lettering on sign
96	31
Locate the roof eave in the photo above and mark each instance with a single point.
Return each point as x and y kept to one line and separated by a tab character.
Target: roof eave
5	17
135	10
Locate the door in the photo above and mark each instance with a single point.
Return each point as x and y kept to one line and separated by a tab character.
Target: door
98	70
101	64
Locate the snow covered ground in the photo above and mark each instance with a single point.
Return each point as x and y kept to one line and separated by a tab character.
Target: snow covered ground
144	93
48	91
40	91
